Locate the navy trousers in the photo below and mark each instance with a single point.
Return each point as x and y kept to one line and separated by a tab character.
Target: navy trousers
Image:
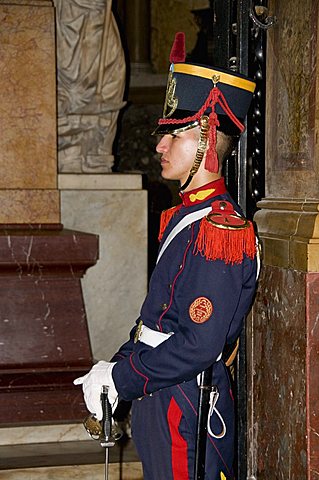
164	432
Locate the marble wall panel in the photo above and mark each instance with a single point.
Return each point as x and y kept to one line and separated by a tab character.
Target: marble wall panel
312	362
27	98
29	206
115	288
277	395
292	91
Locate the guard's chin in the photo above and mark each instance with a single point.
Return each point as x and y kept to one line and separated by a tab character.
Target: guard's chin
165	175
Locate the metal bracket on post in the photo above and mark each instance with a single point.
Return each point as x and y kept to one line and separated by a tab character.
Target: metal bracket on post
262	20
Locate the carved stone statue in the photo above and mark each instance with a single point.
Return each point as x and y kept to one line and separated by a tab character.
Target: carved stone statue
91	82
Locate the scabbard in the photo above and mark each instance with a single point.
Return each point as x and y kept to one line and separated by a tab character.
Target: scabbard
205	388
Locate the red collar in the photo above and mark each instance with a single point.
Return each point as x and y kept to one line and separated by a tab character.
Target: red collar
205	192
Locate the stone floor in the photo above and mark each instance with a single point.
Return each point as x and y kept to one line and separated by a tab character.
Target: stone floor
125	471
76	460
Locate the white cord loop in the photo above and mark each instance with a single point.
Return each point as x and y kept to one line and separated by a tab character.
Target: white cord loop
213	398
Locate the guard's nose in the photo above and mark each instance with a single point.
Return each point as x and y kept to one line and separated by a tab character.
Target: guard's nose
163	144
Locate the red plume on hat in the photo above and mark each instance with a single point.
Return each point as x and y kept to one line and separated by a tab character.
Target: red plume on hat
178	54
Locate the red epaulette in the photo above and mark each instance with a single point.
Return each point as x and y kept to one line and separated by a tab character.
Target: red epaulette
225	235
166	215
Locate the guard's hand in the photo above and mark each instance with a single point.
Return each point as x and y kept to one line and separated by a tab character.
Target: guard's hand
99	375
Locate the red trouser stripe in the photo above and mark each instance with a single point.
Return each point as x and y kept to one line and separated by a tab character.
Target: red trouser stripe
179	444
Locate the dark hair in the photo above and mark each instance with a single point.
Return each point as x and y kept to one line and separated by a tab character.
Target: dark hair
225	145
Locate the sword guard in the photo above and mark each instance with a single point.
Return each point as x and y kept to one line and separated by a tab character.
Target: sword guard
94	428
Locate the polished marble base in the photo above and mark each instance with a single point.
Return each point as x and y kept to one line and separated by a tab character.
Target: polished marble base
43	327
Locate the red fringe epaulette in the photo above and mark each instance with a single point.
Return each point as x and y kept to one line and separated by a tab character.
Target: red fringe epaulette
166	215
225	235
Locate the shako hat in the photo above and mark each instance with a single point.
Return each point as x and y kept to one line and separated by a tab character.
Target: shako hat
196	91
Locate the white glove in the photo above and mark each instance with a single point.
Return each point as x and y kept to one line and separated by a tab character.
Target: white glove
99	375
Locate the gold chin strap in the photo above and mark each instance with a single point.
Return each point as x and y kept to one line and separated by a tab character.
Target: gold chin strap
201	148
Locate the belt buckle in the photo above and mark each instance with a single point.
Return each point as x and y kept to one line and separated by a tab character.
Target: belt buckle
138	331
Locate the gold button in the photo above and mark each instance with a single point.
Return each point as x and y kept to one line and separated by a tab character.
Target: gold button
164	306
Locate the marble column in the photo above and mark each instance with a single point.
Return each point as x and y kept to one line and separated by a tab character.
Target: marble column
28	181
283	421
44	340
137	27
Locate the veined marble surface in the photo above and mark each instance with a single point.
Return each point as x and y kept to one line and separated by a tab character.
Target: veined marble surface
125	471
115	287
43	434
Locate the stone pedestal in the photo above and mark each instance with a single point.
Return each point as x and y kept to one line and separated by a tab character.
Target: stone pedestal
114	207
283	340
44	340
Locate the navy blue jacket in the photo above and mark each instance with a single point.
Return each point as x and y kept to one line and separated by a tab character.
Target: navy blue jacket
179	278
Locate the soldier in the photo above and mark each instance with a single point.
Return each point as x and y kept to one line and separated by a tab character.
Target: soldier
201	288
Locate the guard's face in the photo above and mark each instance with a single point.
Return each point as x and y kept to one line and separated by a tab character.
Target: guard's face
178	154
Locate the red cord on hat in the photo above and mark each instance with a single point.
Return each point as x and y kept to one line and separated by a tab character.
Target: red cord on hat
215	96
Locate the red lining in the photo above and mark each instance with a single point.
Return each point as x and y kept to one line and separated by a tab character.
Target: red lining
179	444
208	436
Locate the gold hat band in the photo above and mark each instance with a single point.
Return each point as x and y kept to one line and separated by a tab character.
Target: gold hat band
209	73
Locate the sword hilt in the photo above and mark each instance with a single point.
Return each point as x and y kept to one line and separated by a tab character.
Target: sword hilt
106	438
